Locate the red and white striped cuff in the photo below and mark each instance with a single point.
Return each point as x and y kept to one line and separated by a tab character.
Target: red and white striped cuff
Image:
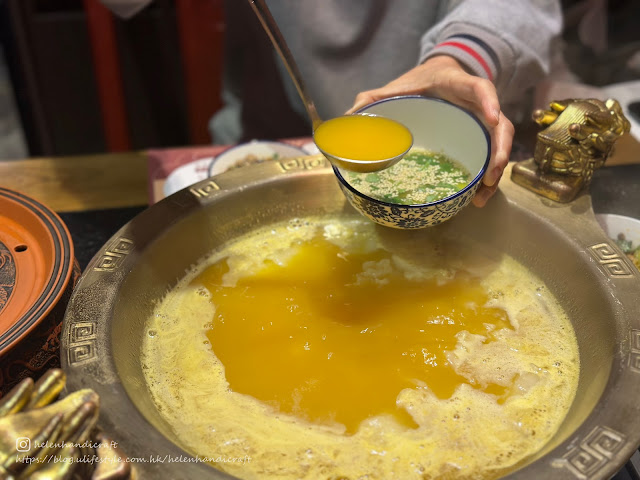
472	52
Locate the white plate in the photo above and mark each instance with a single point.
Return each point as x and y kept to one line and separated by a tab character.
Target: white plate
200	169
255	151
186	175
614	225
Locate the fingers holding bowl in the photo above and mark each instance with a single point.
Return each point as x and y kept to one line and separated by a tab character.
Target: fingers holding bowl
501	142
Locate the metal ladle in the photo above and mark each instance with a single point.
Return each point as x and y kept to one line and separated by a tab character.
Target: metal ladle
273	31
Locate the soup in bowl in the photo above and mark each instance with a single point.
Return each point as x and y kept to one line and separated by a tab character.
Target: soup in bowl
436	179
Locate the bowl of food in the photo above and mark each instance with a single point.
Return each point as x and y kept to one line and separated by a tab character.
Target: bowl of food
245	154
252	153
625	231
436	179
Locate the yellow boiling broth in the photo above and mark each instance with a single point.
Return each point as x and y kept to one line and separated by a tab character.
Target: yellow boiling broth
318	338
331	348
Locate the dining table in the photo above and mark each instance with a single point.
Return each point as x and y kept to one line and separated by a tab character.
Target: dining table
96	194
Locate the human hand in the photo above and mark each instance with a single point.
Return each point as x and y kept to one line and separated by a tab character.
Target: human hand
444	77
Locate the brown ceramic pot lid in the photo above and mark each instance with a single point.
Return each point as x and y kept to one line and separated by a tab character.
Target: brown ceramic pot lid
36	260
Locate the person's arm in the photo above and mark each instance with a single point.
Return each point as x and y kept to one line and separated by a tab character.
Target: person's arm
480	51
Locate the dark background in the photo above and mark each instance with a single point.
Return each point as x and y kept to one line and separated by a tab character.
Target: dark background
86	81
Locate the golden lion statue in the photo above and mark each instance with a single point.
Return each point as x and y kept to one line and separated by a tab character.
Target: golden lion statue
578	138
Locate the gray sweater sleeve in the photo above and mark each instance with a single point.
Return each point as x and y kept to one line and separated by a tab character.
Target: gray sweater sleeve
507	41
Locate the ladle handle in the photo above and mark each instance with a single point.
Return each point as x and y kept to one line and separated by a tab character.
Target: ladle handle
271	27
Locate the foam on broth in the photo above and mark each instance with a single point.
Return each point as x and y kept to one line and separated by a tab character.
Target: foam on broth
476	376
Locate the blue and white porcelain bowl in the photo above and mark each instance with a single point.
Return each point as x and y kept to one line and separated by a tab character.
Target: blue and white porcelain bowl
439	126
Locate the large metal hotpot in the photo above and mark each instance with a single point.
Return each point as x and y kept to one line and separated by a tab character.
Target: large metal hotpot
562	243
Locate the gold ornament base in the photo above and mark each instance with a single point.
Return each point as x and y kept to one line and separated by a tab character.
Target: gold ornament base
577	139
560	188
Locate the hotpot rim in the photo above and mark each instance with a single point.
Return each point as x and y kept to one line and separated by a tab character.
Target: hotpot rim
87	342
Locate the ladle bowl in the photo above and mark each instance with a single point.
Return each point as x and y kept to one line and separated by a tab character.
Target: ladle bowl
277	39
363	166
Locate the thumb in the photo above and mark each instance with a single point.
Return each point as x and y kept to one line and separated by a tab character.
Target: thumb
363	99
